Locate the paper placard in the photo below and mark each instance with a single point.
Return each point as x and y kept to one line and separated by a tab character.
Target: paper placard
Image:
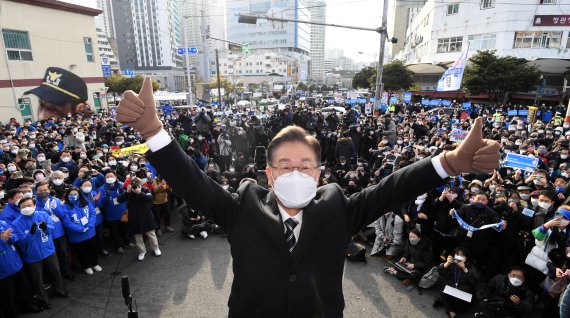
97	211
84	220
459	294
528	212
115	201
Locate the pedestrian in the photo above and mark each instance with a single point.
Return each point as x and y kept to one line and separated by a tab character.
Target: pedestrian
141	220
79	219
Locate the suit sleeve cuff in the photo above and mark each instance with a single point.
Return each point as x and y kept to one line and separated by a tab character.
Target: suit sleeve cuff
436	162
158	141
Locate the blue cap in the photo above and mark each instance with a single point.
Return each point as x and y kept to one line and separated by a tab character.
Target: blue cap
563	213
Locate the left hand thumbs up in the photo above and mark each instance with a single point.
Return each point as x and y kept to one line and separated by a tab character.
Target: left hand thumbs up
474	154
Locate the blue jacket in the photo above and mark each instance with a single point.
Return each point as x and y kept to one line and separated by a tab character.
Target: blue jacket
79	222
55	214
112	209
38	246
10	213
10	261
96	206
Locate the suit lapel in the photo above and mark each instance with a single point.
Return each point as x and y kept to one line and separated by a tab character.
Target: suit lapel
306	236
274	227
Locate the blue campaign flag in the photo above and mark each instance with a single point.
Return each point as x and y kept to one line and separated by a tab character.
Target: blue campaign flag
512	112
393	100
426	102
526	163
407	97
547	116
361	100
446	102
451	79
466	105
523	112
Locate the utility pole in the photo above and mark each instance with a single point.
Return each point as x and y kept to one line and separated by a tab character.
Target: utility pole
190	96
380	66
219	83
205	59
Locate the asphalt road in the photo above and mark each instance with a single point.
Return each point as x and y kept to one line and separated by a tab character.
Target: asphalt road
193	278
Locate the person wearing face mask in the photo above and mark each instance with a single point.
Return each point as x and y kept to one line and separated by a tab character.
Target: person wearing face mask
444	228
344	148
93	198
479	243
417	259
475	187
79	219
52	207
57	183
113	210
34	232
160	193
545	207
457	272
506	296
554	238
141	220
11	211
304	231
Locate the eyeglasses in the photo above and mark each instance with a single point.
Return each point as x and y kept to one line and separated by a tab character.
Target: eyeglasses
305	168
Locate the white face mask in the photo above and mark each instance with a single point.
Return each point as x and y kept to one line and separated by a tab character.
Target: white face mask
11	168
41	158
28	211
110	180
474	189
544	205
66	159
2	194
232	169
536	182
515	281
295	190
86	189
134	168
57	182
459	258
563	156
525	196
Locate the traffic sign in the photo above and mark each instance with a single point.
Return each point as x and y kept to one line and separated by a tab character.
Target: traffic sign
107	70
192	50
181	50
128	72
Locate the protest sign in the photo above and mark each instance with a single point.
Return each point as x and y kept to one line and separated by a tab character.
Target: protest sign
122	152
458	135
526	163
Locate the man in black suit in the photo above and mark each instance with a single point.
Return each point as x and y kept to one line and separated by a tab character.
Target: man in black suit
288	243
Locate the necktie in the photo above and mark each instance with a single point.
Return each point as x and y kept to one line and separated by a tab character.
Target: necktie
290	224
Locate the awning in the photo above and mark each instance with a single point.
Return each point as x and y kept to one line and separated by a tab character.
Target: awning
446	95
551	65
425	68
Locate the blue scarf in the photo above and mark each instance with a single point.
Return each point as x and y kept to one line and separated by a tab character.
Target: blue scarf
496	226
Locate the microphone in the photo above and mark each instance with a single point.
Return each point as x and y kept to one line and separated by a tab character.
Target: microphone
126	290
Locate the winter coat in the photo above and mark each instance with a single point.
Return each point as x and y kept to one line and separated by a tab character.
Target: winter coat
500	287
457	278
141	219
10	213
52	206
344	147
420	255
10	261
390	226
79	222
38	246
113	209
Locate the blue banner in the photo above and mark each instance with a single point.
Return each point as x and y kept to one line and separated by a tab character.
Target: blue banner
446	102
526	163
407	97
512	112
393	100
495	226
426	102
435	102
466	105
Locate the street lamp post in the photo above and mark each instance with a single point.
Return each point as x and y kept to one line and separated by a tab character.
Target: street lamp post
252	19
189	97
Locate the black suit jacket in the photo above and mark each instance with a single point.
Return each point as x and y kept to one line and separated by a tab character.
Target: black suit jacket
268	280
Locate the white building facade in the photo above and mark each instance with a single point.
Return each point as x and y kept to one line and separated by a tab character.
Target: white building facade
536	30
318	11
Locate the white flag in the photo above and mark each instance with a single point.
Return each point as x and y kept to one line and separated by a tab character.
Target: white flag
451	79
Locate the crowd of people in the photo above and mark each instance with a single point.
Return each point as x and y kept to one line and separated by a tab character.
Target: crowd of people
69	196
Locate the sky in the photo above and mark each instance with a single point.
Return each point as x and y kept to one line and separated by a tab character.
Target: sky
362	13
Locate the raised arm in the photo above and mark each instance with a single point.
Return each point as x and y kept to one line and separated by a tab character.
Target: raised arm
179	170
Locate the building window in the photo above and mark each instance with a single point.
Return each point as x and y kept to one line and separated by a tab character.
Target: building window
88	49
487	4
447	45
452	8
538	40
17	45
482	41
547	1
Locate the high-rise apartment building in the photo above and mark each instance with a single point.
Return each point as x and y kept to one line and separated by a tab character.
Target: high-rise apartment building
148	34
318	11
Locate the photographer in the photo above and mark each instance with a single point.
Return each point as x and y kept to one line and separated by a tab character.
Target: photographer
506	296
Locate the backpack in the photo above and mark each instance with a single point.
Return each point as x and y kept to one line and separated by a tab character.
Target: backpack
429	279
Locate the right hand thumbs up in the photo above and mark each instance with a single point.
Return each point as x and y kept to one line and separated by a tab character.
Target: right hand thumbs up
139	111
